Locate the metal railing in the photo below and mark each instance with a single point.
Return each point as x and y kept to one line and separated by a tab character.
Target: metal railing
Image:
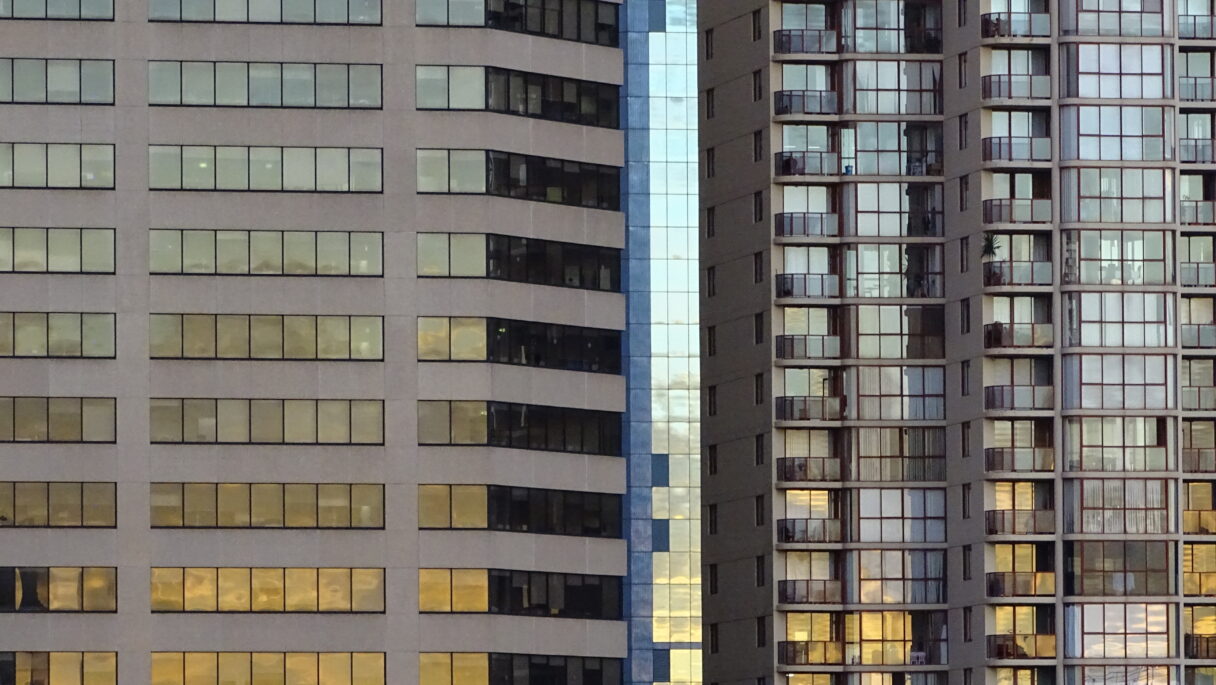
1021	583
809	408
1198	334
1001	334
806	224
1015	25
1028	646
1202	26
808	469
806	102
1016	149
1020	521
810	653
1017	211
1197	212
808	285
1020	459
1197	274
1019	397
808	346
1019	86
804	41
809	530
1198	460
1195	150
807	163
810	591
1017	273
1196	88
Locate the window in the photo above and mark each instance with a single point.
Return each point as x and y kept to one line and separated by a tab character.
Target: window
56	334
965	503
522	260
268	668
39	589
1129	675
969	673
57	419
964	430
264	84
711	578
900	515
1198	510
757	25
881	209
280	12
758	383
893	270
898	454
1112	70
1111	257
518	593
1198	570
1118	631
88	10
520	93
711	519
585	21
1119	443
711	221
709	44
758	146
56	505
758	267
758	449
1124	18
710	103
964	315
761	516
965	377
711	341
758	206
273	590
711	459
1119	567
761	571
519	426
1119	319
967	561
711	281
871	637
267	505
711	162
265	336
898	331
265	253
761	633
962	70
526	343
277	169
967	637
894	87
59	668
964	192
1112	132
713	638
468	668
522	177
711	400
267	421
57	250
57	165
1119	381
1118	505
757	85
964	130
1198	384
900	393
57	81
519	510
894	576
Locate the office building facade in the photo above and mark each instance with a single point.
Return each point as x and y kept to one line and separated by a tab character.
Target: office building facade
956	270
312	345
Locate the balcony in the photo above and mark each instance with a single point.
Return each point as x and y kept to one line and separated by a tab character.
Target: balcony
1020	459
1015	25
1016	149
806	102
1031	646
1017	273
1198	335
808	346
1201	26
810	591
1199	646
1017	211
1020	521
1001	334
806	225
1196	88
1197	274
1197	212
810	653
1016	86
1198	460
804	42
810	408
1021	584
923	164
808	469
1195	150
809	530
808	285
807	163
1019	397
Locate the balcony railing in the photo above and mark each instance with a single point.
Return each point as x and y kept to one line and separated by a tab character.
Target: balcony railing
1197	212
1020	521
1200	646
893	41
1198	334
809	408
810	591
1019	86
1200	26
1017	211
1199	521
810	653
1196	88
1021	584
806	224
1020	459
806	102
1016	149
804	41
809	530
1197	274
1198	398
1032	646
1017	273
807	163
1018	335
924	164
1019	397
1196	150
808	285
808	469
1198	460
1015	25
808	346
